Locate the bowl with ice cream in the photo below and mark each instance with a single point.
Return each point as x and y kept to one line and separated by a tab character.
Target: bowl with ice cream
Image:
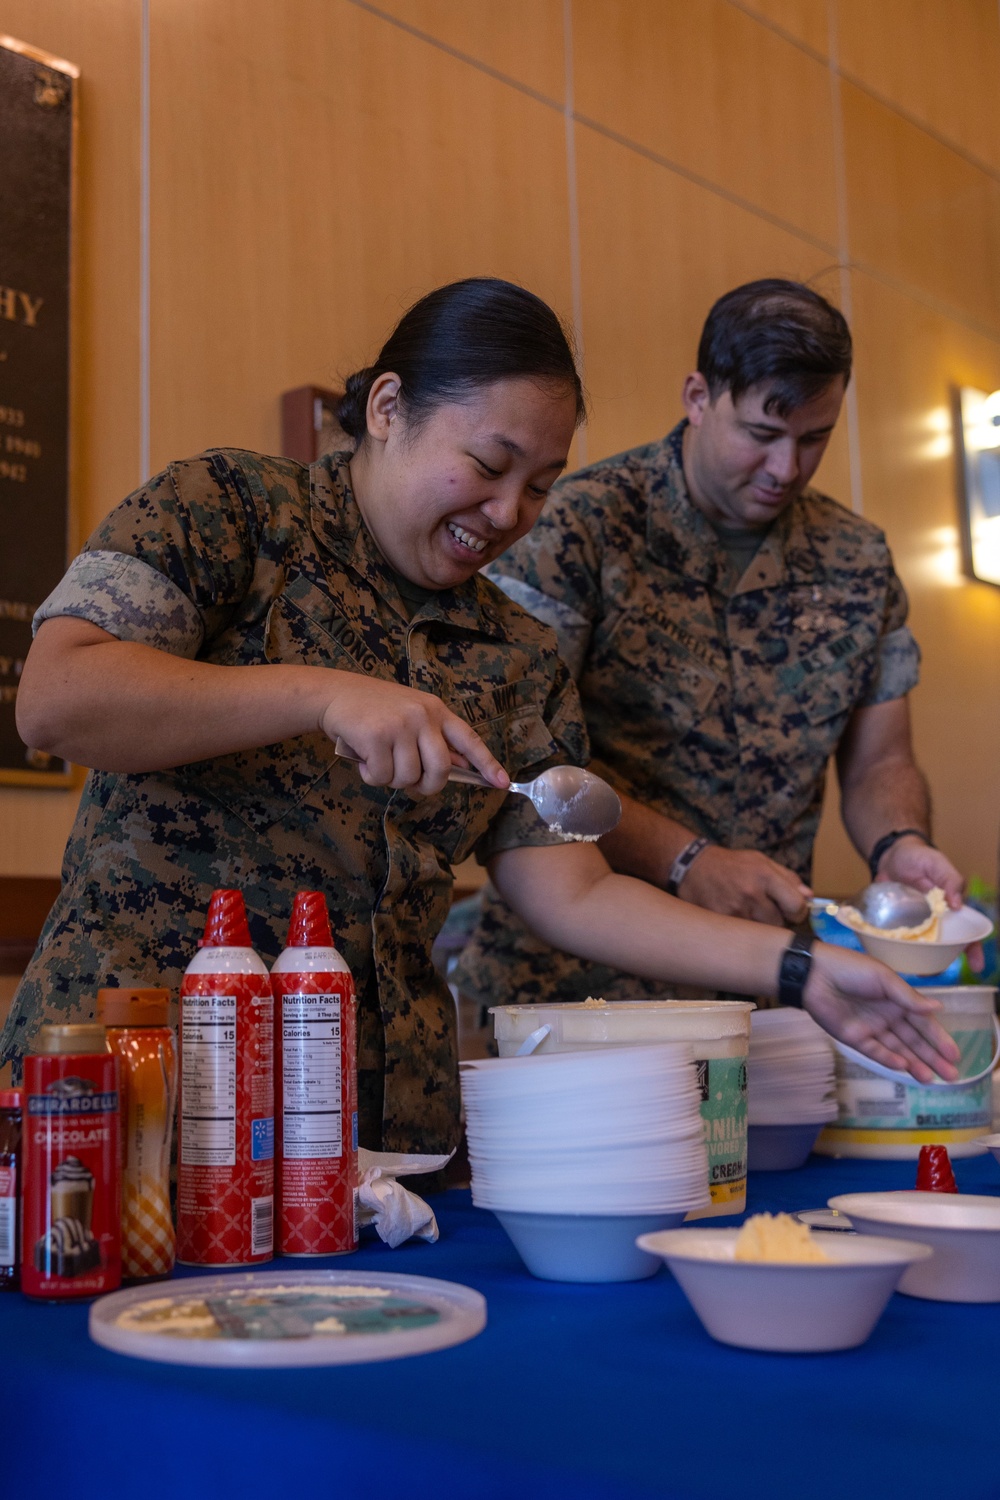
926	947
775	1284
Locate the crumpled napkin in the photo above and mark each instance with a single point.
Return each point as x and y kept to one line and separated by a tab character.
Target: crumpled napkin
383	1201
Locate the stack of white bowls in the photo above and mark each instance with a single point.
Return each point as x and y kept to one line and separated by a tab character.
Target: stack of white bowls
792	1091
577	1153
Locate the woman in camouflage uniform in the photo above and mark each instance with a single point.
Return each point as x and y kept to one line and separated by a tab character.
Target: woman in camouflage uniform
234	616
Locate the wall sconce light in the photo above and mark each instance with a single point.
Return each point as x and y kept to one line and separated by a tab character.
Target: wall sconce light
977	443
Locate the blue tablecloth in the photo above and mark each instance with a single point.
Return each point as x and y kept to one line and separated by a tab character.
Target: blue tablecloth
600	1393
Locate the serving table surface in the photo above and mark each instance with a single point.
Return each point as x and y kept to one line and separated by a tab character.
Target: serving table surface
584	1391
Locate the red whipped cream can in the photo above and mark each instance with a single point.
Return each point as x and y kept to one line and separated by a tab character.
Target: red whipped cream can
316	1088
71	1163
225	1156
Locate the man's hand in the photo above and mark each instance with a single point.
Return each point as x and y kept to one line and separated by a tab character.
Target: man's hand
870	1008
744	883
915	863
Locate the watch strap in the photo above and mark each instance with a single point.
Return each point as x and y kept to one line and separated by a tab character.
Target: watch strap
886	842
796	963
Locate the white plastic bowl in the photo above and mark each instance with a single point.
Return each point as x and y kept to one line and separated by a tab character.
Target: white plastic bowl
963	1230
780	1148
958	930
585	1247
797	1309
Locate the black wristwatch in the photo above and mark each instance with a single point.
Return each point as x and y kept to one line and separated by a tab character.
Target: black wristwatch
796	962
886	842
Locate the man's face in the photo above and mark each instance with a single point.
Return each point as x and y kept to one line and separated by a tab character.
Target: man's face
743	464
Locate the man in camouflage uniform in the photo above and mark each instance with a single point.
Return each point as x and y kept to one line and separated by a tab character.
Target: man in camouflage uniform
730	629
237	559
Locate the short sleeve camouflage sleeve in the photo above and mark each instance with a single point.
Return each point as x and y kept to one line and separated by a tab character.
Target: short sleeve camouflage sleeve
898	669
170	562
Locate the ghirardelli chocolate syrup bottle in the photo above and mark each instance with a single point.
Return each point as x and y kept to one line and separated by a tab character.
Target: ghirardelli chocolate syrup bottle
71	1204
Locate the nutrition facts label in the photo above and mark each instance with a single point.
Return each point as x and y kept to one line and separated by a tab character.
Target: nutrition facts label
208	1062
312	1090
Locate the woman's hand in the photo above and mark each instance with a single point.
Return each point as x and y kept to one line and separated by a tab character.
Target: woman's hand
403	738
866	1005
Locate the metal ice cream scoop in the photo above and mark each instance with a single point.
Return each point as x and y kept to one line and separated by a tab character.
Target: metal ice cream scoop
886	904
573	802
889	903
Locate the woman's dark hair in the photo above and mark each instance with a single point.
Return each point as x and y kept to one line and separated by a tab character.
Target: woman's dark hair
461	337
776	332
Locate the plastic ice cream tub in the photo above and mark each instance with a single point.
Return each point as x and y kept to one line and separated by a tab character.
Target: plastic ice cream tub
719	1033
887	1115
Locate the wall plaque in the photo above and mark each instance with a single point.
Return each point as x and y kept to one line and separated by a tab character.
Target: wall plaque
309	426
37	127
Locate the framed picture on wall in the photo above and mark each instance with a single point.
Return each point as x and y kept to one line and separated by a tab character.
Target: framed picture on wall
309	426
38	117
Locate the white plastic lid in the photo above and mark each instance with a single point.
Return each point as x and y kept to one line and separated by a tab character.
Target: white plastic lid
287	1318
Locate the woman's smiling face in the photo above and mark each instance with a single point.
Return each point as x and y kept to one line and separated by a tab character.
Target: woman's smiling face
444	497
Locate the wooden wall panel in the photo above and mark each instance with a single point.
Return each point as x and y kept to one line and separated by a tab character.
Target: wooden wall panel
521	38
908	358
288	239
725	98
937	59
806	20
103	40
655	252
920	211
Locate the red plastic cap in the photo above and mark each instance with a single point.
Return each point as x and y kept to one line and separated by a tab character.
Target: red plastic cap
934	1173
226	923
310	924
10	1098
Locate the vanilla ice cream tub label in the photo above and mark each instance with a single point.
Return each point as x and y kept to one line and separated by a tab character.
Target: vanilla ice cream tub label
868	1102
891	1118
723	1085
72	1192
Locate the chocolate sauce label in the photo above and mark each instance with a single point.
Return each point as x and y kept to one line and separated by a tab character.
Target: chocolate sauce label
71	1219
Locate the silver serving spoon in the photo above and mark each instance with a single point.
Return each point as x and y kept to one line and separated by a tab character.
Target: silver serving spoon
574	803
885	904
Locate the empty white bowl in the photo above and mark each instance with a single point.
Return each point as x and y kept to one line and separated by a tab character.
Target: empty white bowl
585	1247
958	930
780	1148
798	1309
963	1230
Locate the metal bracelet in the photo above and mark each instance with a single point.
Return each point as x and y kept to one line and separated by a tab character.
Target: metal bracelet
886	842
683	863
